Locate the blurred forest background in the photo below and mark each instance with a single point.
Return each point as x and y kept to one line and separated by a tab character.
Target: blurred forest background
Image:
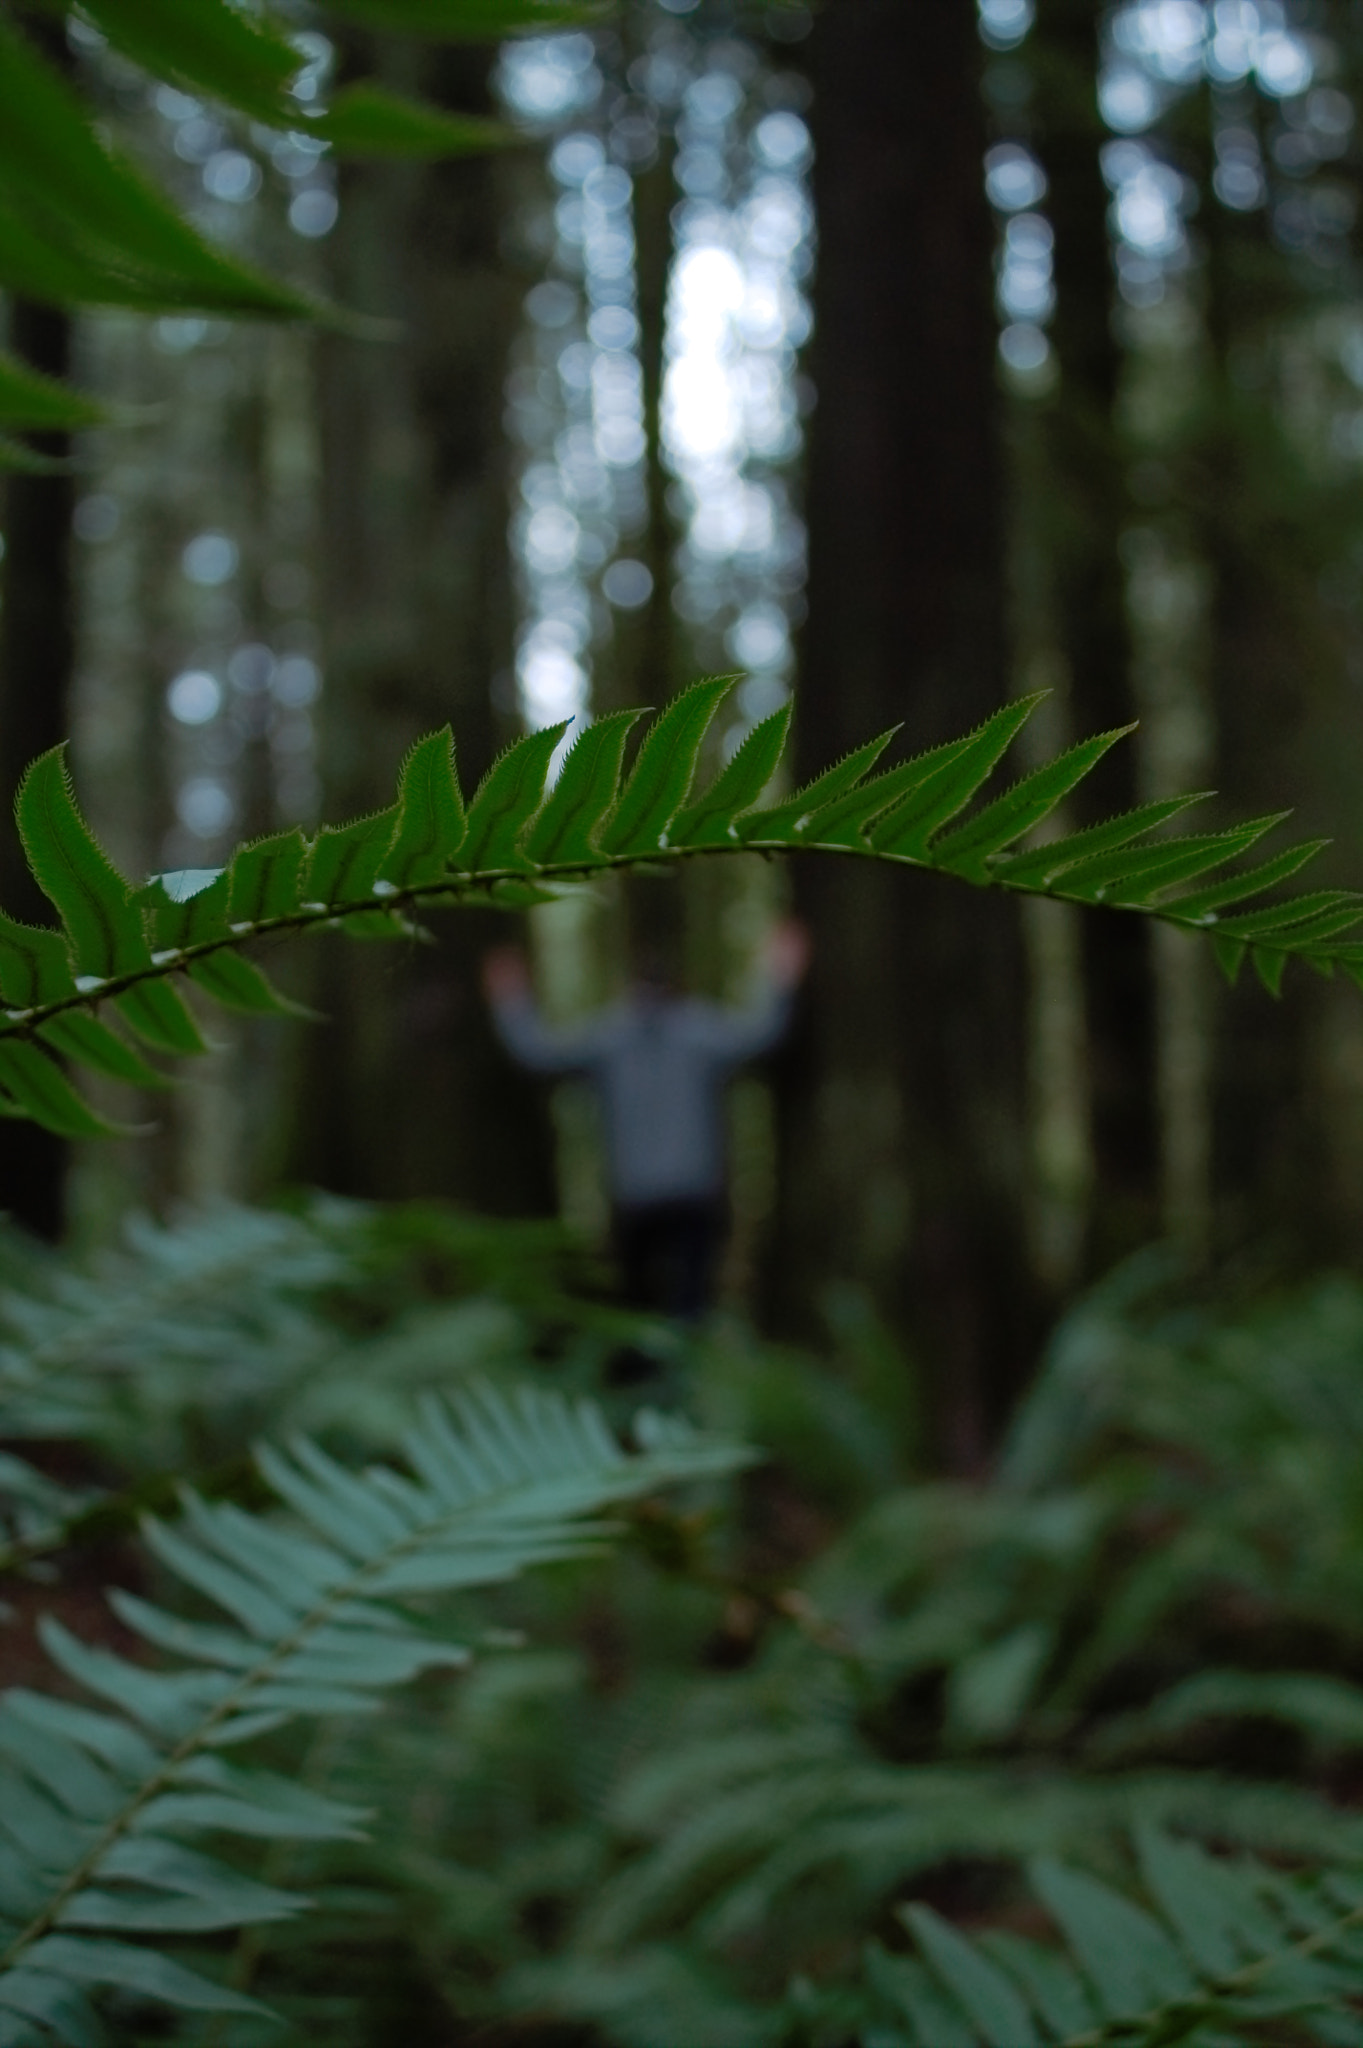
743	360
904	357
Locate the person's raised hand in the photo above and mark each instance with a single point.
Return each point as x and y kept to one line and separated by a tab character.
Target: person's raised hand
506	974
788	952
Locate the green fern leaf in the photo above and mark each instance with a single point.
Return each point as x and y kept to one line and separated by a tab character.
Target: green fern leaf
913	1993
160	1019
907	831
35	966
738	788
367	120
263	879
660	779
568	825
345	859
41	1090
1125	1953
970	849
102	1808
80	1037
479	21
1042	865
187	907
847	820
980	1987
1297	914
1251	882
239	985
91	896
95	203
1216	1914
430	826
1054	1988
29	400
237	58
1270	967
778	824
1230	954
1136	875
506	800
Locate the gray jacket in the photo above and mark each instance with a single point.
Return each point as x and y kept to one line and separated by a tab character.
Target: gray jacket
658	1065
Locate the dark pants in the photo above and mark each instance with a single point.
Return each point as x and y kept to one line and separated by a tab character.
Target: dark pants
668	1252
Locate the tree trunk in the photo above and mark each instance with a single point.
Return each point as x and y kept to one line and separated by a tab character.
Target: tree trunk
903	1097
404	1091
36	654
1087	511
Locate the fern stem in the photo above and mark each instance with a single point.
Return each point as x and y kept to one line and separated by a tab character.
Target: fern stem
479	886
85	1868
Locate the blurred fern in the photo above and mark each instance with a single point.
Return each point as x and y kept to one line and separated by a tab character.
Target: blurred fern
122	953
80	225
98	1808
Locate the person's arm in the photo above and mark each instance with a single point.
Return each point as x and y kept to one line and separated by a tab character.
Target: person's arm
543	1048
744	1034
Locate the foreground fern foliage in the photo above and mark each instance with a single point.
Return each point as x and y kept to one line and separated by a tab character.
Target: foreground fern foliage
1222	1952
122	950
102	1810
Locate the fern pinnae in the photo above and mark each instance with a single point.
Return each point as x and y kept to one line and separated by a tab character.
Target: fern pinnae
344	861
907	830
76	875
1119	876
430	823
1040	866
263	879
969	849
1222	1943
1199	904
775	826
317	1624
850	820
660	780
515	846
584	797
506	800
711	820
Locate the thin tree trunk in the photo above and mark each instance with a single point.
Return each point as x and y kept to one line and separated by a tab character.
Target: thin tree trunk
1088	510
404	1091
903	1100
37	645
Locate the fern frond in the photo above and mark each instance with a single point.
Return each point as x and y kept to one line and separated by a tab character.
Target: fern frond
101	1810
1215	1950
516	845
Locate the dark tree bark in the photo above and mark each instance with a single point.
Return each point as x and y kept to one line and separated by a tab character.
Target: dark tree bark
1278	689
1087	505
37	644
404	1091
902	1099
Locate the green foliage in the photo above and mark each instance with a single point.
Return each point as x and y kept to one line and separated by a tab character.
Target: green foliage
1219	1950
517	843
104	1811
79	223
729	1757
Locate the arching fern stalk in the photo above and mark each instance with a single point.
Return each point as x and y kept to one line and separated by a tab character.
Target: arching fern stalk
122	950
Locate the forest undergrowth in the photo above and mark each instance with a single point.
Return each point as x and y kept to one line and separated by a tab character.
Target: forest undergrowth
803	1747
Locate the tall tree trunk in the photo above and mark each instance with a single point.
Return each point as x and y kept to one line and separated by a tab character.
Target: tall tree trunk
903	1099
36	652
1276	683
1088	504
404	1091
